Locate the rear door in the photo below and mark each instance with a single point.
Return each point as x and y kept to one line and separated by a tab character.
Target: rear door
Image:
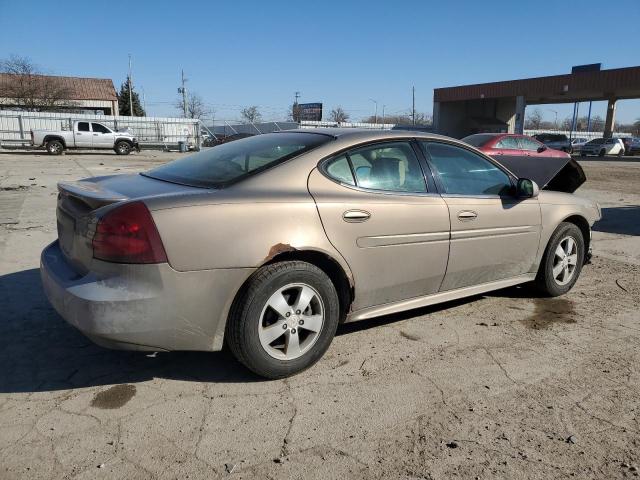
82	135
103	137
378	212
493	234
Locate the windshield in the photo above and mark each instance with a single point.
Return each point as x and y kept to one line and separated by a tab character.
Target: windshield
230	162
478	140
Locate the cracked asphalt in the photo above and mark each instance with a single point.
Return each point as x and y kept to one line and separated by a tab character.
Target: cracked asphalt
505	385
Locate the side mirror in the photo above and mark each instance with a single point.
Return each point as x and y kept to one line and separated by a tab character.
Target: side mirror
527	188
542	149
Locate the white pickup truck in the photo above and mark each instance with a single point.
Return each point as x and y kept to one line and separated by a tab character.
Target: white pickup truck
87	135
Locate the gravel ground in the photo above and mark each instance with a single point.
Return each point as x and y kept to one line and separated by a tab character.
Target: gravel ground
505	385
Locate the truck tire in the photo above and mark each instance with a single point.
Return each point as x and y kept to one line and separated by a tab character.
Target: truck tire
55	147
123	147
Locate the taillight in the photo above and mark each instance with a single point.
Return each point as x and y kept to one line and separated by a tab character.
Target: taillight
128	234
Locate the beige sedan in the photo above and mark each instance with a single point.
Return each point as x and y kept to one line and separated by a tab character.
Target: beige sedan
268	243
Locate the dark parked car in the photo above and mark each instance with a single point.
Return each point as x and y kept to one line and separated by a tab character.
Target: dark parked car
557	141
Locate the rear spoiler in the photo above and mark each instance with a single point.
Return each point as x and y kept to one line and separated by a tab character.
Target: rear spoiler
90	193
550	173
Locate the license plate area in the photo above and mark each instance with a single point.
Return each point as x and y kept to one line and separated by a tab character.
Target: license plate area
66	231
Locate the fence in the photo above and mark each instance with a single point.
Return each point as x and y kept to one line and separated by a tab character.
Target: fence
574	134
166	132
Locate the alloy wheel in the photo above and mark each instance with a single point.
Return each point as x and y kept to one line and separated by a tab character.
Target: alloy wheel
565	260
291	321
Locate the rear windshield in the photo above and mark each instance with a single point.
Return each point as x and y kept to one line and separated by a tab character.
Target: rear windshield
478	140
230	162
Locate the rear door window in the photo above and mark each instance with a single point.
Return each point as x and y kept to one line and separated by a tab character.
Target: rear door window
83	126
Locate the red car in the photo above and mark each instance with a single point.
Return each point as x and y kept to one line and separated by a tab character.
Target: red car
510	144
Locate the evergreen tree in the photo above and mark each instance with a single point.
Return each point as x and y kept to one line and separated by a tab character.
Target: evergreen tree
123	101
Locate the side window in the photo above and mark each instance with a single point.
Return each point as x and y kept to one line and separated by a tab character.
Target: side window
529	144
388	166
510	143
340	170
83	126
465	173
98	127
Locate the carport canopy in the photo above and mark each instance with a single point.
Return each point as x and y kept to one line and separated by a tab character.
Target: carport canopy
506	100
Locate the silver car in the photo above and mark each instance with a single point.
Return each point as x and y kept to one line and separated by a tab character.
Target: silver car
268	243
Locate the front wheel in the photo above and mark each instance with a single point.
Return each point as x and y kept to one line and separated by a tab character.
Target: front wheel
284	319
562	260
123	148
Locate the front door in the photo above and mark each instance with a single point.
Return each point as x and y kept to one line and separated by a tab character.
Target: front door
379	214
494	235
102	136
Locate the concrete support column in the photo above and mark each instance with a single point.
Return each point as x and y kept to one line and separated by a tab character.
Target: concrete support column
611	118
519	123
436	117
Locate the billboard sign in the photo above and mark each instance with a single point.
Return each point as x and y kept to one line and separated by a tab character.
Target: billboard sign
310	111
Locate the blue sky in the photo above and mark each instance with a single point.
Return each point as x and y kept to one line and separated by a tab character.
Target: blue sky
345	53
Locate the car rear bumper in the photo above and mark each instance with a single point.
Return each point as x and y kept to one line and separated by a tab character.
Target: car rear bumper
142	307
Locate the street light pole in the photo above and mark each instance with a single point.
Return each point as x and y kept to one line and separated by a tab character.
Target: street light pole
130	87
376	111
383	107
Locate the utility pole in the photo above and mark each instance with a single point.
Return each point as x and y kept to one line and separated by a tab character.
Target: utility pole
383	107
183	90
413	105
130	88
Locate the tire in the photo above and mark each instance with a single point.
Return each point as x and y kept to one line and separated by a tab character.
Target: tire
247	334
55	147
123	148
602	153
557	284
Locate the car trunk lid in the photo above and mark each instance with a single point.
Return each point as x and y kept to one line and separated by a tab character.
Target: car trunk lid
79	201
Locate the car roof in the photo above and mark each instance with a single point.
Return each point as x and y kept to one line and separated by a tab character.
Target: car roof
365	134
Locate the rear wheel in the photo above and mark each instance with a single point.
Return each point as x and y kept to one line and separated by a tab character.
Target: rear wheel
562	260
55	147
284	319
123	148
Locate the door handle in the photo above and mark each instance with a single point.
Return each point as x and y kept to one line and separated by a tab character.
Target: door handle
356	216
466	215
95	134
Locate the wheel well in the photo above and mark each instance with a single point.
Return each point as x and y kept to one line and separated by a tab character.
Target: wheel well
583	225
118	140
329	266
50	137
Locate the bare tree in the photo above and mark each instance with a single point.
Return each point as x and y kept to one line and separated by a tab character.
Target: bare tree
339	115
422	119
534	119
251	114
28	89
196	106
